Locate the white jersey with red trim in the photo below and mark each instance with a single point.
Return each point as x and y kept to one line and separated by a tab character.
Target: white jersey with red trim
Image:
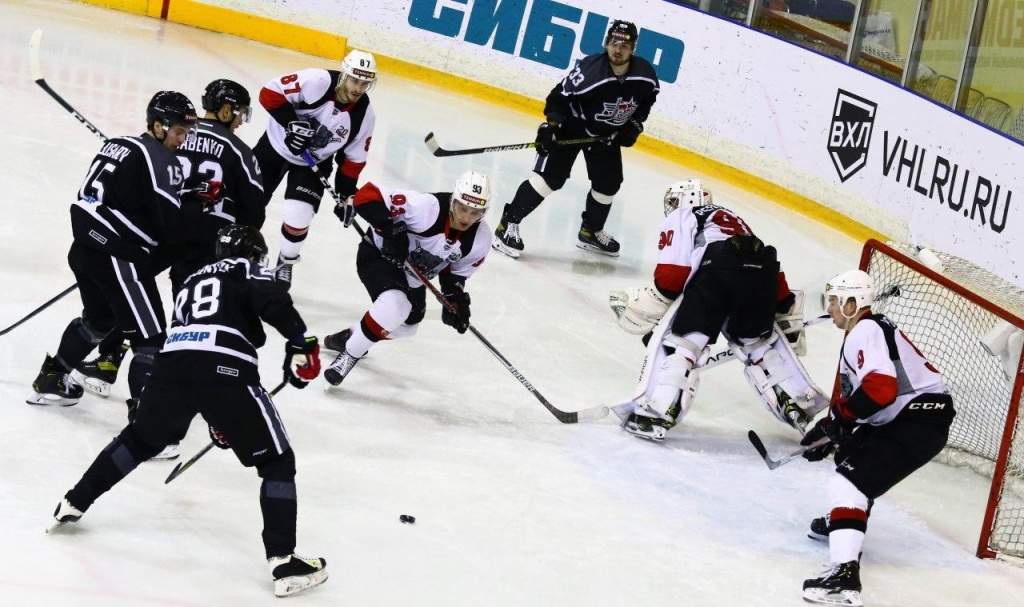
311	93
433	244
876	345
685	234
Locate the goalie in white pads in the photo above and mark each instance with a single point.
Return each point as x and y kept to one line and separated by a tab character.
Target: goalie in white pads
722	278
891	418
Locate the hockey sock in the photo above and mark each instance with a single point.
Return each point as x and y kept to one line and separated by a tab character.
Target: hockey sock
139	370
116	461
278	503
526	201
74	345
596	213
291	244
111	344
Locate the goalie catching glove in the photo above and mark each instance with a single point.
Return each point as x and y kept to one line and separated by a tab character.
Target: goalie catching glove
301	361
641	309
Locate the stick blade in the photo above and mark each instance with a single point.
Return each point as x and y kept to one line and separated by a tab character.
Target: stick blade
758	444
34	45
174	473
592	414
432	144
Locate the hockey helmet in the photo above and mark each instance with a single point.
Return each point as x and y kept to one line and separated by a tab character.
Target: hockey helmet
623	31
238	240
852	284
473	190
360	65
223	91
687	191
170	108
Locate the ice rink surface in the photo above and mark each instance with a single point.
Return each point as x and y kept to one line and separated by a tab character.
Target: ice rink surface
512	507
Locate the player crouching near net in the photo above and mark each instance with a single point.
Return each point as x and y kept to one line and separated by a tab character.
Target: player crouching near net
440	234
713	275
892	417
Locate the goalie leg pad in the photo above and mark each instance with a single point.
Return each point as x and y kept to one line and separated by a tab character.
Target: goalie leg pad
673	374
791	320
778	377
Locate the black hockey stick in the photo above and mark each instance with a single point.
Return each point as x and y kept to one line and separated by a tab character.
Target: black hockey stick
182	467
39	309
436	149
37	75
566	417
775	463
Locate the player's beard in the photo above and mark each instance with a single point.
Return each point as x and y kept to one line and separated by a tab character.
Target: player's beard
622	59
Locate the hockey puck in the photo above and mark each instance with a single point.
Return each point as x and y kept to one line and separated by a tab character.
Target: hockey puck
405	518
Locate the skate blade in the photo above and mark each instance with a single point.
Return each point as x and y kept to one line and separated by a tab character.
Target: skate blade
91	384
595	249
822	596
170	452
57	525
298	583
50	399
501	247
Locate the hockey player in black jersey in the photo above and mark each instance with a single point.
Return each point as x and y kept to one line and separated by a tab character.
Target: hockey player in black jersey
209	365
607	95
211	152
326	113
128	210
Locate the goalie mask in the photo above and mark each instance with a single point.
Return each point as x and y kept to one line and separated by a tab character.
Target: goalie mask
852	284
690	192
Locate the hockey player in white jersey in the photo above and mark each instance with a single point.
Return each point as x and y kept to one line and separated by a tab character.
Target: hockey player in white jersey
328	114
713	275
441	234
892	416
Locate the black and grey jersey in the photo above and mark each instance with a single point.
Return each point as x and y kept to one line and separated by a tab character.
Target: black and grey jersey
128	203
217	323
213	152
592	100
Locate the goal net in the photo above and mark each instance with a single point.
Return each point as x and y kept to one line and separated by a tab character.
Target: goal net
970	324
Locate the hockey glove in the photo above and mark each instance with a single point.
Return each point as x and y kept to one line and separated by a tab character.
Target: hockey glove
298	137
346	211
395	245
546	137
460	318
218	439
208	194
301	361
834	427
627	135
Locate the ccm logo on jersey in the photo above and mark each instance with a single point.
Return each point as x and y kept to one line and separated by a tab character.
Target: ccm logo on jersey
927	406
188	336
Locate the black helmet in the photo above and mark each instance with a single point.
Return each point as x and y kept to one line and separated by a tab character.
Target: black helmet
223	91
622	30
170	108
237	240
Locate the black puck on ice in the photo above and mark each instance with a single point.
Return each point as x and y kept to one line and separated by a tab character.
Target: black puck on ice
405	518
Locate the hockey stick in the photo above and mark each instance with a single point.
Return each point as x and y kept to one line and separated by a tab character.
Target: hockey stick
39	309
436	149
775	463
182	467
37	75
566	417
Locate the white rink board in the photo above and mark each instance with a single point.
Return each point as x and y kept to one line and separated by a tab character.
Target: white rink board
739	96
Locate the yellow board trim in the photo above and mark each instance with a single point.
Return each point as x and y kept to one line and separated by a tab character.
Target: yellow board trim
331	46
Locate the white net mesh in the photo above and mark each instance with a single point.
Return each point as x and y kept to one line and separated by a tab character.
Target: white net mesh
949	326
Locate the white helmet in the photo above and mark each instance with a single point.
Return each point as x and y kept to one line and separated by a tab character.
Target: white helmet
689	191
473	190
855	284
360	65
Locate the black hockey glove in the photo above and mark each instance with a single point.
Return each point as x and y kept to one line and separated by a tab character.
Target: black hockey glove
395	247
626	136
460	318
834	427
218	439
547	134
345	211
298	137
207	194
301	361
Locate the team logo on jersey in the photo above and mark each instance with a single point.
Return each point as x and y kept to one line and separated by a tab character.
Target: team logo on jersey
849	135
617	113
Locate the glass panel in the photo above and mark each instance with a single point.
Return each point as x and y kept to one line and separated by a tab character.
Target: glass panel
886	37
998	83
819	25
942	50
733	10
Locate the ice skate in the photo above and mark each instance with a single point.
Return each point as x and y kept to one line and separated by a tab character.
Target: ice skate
64	514
336	341
791	412
599	242
340	368
293	573
171	451
98	375
283	271
839	584
54	386
506	239
819	529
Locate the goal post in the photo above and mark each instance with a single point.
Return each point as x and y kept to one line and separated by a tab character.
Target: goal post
970	324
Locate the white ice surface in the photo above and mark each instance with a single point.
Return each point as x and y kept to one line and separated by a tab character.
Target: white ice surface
512	507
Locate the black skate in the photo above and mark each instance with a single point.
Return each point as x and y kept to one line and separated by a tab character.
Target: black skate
54	386
819	529
283	271
506	239
793	414
336	341
340	368
98	375
64	514
293	574
598	242
837	585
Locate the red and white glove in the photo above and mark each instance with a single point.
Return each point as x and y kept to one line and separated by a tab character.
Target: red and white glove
301	361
